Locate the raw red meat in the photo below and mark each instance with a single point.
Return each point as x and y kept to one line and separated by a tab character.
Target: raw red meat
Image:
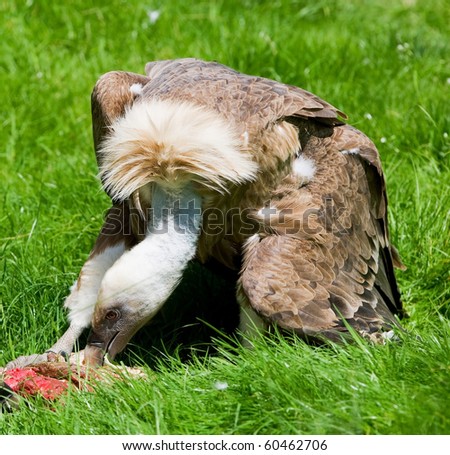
49	379
27	382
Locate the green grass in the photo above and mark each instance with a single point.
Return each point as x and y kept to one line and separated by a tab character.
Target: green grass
389	59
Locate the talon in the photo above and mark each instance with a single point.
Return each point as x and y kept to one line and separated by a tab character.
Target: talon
52	356
64	355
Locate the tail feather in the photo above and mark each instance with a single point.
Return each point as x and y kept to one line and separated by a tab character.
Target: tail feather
172	143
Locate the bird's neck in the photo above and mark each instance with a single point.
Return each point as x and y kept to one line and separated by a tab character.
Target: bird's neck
147	274
174	226
175	214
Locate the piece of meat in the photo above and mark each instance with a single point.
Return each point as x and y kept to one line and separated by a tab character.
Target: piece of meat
51	380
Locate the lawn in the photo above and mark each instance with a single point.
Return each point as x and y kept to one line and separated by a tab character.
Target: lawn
383	62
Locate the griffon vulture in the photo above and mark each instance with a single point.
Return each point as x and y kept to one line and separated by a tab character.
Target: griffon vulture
201	161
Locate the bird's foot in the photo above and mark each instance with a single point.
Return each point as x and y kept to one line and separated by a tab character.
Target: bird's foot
28	360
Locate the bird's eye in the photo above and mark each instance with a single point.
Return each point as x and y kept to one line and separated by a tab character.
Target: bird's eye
112	315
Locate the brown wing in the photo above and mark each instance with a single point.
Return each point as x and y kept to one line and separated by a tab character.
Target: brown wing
328	256
111	96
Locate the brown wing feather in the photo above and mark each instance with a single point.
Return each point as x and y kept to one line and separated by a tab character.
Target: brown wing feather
329	256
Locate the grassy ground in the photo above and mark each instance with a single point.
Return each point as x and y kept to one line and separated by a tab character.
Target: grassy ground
384	62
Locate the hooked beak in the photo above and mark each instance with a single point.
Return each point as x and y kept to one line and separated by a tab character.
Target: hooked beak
98	345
